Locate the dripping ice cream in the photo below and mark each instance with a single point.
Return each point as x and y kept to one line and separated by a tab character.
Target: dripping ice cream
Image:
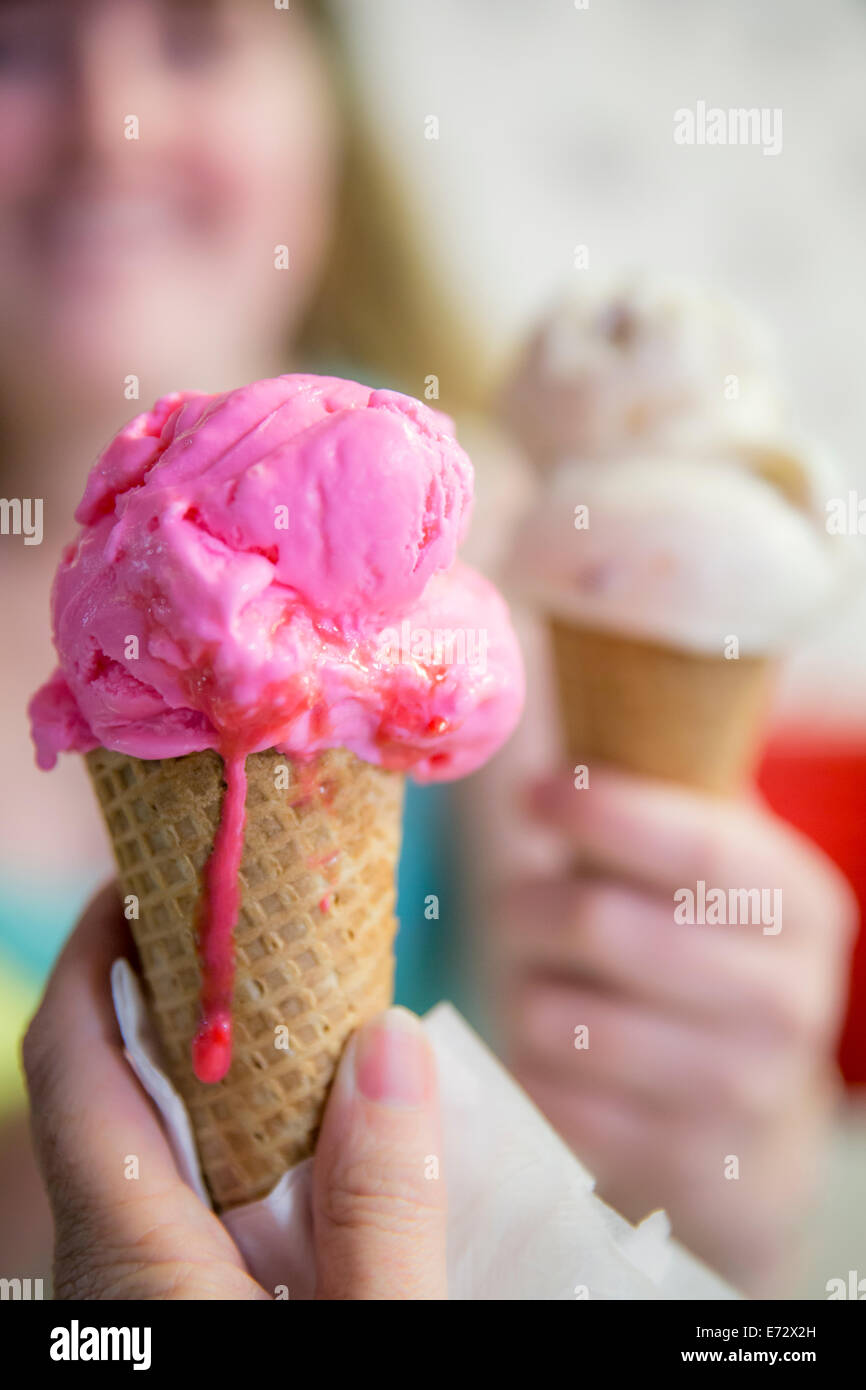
242	564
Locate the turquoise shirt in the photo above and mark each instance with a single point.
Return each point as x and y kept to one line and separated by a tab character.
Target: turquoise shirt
427	901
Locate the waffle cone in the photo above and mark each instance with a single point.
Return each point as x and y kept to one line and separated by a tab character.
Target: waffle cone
658	711
313	941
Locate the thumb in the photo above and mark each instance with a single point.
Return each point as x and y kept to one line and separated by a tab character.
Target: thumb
379	1204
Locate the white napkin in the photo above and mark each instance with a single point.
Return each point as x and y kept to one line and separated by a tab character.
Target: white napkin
524	1221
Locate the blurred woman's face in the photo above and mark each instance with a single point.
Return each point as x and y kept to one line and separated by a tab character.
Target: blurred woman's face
153	156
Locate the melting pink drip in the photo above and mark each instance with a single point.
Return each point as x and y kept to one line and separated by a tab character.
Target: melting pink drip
212	1046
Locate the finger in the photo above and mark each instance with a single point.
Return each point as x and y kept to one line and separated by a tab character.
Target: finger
126	1224
86	1104
624	941
601	1043
668	838
378	1195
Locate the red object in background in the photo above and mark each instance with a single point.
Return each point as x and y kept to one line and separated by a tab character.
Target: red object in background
819	785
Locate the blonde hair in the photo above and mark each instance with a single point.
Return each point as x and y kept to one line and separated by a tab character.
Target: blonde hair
380	305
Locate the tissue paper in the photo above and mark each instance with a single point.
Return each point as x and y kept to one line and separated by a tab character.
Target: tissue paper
524	1221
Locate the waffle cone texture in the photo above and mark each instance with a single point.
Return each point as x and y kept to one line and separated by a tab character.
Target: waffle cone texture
658	711
313	942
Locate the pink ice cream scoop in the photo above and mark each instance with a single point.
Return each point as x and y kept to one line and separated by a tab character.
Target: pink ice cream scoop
243	565
275	567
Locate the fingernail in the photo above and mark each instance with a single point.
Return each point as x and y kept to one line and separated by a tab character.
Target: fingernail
393	1060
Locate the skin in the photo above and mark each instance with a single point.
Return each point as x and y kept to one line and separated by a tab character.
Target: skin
379	1225
155	254
704	1041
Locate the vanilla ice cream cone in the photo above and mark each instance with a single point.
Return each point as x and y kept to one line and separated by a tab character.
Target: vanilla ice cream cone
678	544
671	590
